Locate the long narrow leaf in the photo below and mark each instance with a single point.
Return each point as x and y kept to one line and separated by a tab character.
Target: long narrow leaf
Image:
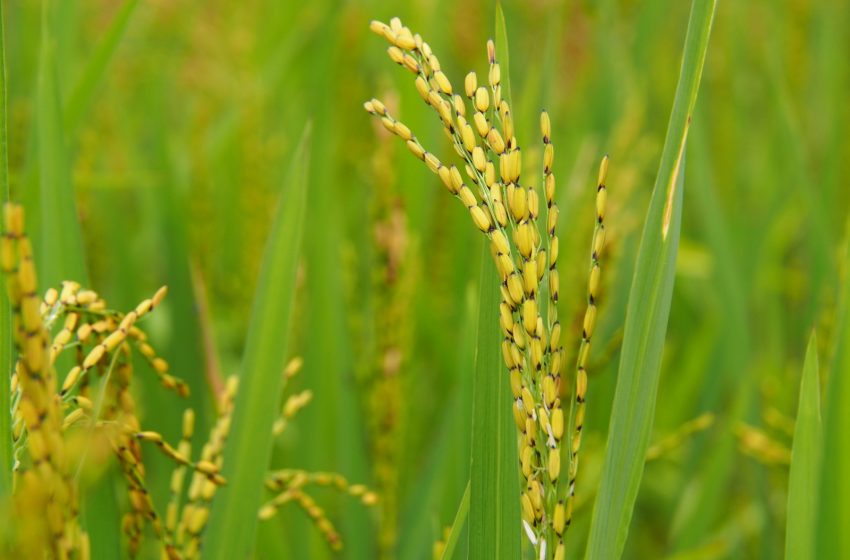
233	521
805	463
494	521
5	311
457	525
648	311
833	515
81	96
60	250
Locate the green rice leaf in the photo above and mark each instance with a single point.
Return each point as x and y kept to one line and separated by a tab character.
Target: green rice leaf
5	310
59	252
82	94
805	462
833	514
494	521
247	454
647	313
457	526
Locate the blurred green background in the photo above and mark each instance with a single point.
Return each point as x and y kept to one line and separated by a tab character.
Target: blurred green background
176	142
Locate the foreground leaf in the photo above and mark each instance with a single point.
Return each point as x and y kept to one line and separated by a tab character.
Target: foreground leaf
805	463
833	514
59	254
647	313
494	521
457	526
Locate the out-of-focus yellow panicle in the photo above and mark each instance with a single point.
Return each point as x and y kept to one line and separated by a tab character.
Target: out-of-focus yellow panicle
290	484
54	443
38	414
756	443
678	437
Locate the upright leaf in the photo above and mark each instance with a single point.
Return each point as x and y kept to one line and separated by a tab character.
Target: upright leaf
233	521
647	313
59	252
805	463
5	310
83	92
457	526
494	521
833	514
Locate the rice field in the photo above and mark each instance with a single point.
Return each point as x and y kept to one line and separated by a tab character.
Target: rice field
424	280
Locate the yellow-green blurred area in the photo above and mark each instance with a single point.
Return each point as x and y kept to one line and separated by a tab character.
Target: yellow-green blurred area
176	143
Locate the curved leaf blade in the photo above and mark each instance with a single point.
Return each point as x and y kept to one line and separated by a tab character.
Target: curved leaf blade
647	313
